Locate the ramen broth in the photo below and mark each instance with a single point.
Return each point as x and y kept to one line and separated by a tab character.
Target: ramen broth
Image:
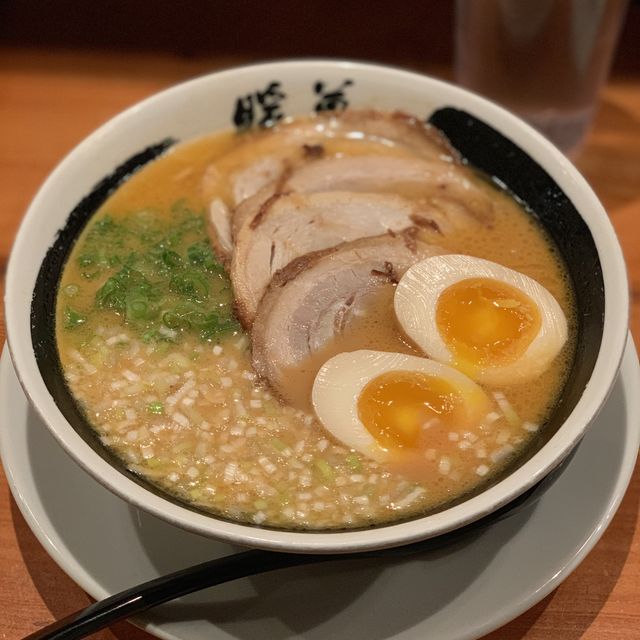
152	353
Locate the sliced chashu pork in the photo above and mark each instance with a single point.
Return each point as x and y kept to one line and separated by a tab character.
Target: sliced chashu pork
315	299
415	176
398	129
265	154
219	227
265	159
429	179
296	224
260	158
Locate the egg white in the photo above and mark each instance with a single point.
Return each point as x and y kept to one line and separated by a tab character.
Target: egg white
415	304
340	381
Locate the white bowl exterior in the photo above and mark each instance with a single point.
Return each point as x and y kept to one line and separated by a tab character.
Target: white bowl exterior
206	104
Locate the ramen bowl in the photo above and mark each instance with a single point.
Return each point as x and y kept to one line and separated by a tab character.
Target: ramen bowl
487	137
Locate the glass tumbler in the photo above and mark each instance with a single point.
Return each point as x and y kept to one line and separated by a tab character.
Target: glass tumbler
546	60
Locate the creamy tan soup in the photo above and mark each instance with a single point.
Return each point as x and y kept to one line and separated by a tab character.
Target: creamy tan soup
153	353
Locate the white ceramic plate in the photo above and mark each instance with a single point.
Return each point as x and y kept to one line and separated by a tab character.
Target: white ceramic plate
461	592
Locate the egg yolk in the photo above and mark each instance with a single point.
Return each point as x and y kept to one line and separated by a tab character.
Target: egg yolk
486	322
397	407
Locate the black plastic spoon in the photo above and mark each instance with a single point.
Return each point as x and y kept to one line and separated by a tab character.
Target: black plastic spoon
200	576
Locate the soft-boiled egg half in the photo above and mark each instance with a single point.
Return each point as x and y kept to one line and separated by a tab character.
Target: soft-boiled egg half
495	324
388	405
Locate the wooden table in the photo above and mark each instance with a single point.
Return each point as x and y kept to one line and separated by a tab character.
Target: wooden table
49	102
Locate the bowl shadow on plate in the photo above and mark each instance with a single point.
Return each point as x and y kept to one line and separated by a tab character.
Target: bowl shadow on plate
317	601
324	600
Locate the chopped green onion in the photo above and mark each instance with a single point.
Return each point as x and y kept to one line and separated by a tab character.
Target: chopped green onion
136	309
353	462
156	408
191	284
171	259
149	336
174	321
279	444
199	253
324	468
73	318
158	274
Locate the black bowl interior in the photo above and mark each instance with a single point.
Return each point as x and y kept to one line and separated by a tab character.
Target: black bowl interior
482	147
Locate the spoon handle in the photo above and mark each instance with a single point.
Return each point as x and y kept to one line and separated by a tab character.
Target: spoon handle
154	592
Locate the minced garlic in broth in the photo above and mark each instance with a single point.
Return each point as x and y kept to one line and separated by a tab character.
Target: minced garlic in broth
187	412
